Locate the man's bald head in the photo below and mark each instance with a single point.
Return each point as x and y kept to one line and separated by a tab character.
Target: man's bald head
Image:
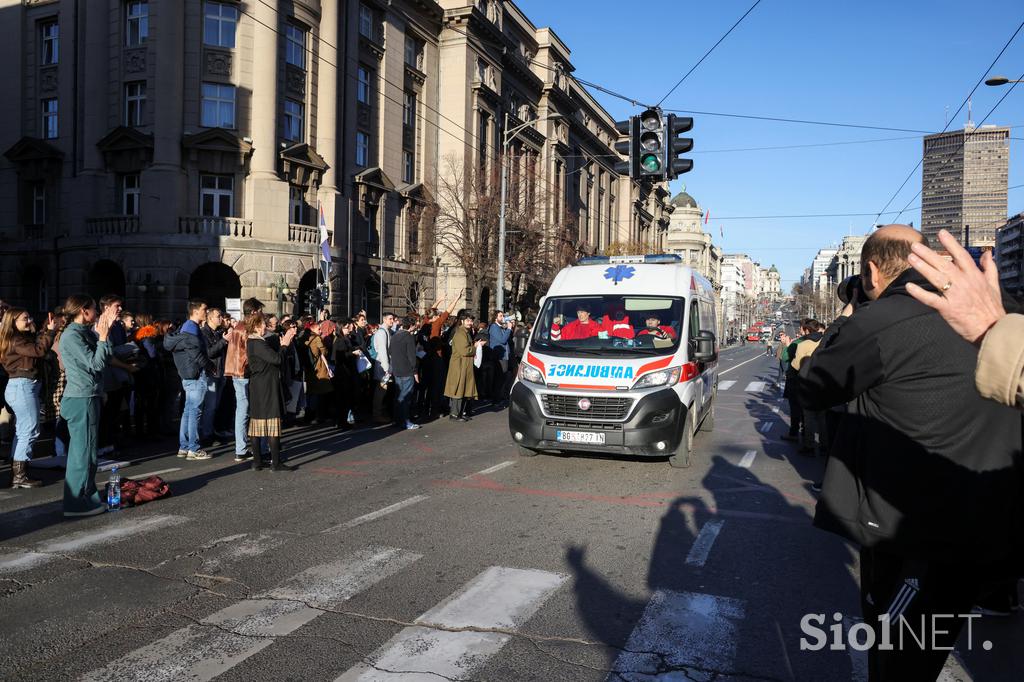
884	256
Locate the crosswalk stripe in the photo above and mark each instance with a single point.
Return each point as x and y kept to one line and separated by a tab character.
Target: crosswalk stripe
238	547
680	630
748	459
698	555
49	550
201	652
491	470
725	385
755	387
499	597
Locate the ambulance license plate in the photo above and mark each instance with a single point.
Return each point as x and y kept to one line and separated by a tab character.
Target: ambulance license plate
579	437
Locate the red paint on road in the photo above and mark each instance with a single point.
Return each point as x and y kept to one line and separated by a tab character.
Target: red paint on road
340	472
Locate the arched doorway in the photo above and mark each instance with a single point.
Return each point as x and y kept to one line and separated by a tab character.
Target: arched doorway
306	285
106	277
214	283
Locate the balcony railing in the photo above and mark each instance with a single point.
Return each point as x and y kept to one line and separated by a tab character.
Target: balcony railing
239	228
303	234
117	224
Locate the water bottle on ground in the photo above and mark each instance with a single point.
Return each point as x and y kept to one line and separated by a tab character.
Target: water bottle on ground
114	490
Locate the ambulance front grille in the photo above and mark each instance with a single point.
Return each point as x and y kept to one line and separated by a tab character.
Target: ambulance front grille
601	407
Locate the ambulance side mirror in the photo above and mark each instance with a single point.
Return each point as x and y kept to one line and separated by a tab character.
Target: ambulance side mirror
705	347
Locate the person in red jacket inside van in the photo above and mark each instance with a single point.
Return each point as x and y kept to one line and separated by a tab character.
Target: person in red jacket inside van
583	327
658	330
616	323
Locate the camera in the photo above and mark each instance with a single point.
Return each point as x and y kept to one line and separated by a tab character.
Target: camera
851	290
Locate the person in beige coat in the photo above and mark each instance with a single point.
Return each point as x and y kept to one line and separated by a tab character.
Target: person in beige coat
971	301
460	385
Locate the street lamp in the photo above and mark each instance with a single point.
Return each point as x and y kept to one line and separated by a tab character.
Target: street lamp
282	289
1000	80
506	138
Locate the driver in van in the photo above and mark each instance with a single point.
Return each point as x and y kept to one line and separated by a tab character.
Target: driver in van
583	327
656	329
616	322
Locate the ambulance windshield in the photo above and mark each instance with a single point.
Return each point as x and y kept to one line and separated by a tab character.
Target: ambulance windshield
609	325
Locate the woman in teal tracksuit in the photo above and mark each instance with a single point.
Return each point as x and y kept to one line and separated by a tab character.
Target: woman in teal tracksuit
84	351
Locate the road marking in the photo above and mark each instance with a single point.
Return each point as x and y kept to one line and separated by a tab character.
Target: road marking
755	387
156	473
497	598
237	547
702	545
491	470
680	630
726	371
196	652
49	550
748	459
766	427
725	385
372	516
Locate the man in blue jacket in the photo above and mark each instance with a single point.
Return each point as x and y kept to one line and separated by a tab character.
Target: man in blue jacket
499	335
192	362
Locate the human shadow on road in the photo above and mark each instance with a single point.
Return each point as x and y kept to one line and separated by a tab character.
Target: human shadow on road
733	607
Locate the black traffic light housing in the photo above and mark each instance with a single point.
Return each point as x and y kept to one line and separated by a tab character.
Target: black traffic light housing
675	145
651	146
629	147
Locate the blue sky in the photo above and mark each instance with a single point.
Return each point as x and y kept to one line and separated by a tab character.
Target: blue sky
877	62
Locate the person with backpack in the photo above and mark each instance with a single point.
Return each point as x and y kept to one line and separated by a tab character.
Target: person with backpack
380	355
192	362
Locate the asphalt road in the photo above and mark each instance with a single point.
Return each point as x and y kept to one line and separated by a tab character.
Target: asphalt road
442	552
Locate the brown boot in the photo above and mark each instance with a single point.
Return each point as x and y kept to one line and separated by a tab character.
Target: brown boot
19	479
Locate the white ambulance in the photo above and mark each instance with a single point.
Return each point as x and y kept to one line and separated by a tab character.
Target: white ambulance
622	359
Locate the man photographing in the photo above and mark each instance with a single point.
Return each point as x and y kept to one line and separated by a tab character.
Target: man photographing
924	474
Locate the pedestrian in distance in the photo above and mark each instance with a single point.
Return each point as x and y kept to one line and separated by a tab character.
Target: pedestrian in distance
266	396
460	385
22	349
405	370
192	361
236	366
216	342
925	474
85	352
345	355
380	353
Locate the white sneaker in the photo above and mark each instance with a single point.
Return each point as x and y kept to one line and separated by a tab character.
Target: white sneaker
182	453
409	426
198	454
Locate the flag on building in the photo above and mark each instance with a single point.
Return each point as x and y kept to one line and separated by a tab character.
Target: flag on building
325	240
707	216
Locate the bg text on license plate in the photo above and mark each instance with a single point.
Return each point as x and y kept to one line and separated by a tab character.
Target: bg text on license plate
579	437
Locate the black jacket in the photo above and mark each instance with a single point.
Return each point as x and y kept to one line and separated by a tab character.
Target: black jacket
189	349
216	350
922	465
403	354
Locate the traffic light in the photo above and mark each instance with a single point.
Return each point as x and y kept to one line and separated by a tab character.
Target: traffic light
674	166
652	146
312	300
629	148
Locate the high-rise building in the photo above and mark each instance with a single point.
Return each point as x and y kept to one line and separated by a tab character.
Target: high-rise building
964	183
1009	253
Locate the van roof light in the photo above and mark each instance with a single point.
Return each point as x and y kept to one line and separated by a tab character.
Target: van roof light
650	258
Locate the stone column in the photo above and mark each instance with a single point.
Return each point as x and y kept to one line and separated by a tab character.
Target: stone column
266	196
164	185
327	129
95	69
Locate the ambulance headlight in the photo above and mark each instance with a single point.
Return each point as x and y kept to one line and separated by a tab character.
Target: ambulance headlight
663	377
530	373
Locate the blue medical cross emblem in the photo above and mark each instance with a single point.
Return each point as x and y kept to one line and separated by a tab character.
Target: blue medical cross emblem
619	272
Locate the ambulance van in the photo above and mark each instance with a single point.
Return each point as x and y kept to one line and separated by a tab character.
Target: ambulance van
622	359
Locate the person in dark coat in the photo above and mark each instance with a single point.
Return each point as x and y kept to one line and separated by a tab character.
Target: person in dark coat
925	474
266	398
344	355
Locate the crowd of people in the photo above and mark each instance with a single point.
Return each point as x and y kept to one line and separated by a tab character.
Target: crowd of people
99	374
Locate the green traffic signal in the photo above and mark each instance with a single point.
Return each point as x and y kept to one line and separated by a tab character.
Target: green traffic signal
650	163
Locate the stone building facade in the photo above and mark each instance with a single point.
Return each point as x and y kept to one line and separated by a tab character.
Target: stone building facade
162	149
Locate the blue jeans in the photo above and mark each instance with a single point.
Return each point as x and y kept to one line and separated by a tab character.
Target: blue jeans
241	413
214	391
403	402
188	432
22	396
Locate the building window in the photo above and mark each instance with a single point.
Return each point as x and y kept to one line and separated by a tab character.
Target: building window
366	23
481	141
414	52
292	121
49	32
362	149
216	195
295	46
298	208
38	203
131	194
218	108
363	85
219	23
408	166
136	25
49	127
134	103
409	110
